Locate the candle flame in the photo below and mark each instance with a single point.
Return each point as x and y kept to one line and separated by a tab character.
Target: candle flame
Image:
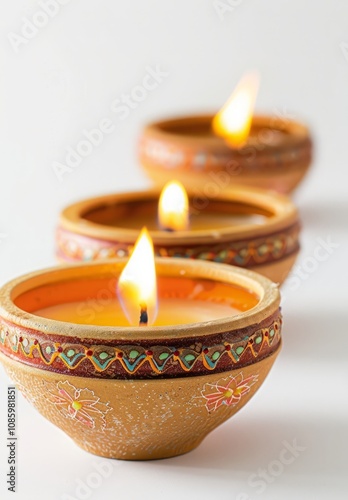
173	207
233	121
137	284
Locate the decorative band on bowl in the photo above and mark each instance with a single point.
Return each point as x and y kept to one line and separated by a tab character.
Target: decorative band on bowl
144	359
250	252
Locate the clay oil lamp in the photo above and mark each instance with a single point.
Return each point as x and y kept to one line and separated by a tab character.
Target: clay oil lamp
135	367
242	226
234	145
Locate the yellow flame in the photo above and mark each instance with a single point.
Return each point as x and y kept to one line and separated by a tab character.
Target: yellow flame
233	121
173	207
137	284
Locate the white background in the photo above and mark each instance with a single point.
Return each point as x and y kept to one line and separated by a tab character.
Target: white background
64	80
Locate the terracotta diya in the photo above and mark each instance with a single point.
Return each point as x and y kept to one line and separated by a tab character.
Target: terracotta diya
231	147
241	226
133	392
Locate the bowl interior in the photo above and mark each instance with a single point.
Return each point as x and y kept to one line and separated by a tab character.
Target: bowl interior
136	213
93	300
246	296
236	213
271	128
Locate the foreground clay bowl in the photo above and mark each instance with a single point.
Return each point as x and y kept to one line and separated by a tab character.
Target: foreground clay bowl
96	228
277	155
137	393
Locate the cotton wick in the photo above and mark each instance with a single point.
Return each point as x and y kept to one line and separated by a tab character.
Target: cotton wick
168	229
143	315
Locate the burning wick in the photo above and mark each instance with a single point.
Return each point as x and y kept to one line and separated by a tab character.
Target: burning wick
137	284
143	315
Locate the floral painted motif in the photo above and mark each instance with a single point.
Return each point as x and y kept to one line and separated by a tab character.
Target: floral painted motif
227	391
79	404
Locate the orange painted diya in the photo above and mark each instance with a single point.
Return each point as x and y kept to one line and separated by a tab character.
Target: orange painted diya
242	226
276	155
139	393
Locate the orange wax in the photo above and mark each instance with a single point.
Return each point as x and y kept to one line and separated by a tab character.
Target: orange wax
170	312
93	301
